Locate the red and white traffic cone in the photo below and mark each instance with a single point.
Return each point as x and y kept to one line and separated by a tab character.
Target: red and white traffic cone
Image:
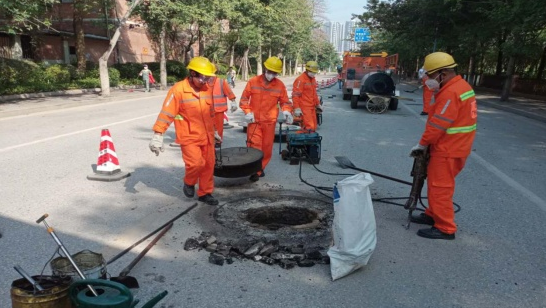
108	168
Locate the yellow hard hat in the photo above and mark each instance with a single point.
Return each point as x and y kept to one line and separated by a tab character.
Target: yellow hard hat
202	65
273	64
312	66
437	61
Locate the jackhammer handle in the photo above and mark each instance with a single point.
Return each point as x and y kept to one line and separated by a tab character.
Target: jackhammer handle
46	215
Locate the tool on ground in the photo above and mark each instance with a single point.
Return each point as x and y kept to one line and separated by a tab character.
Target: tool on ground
112	294
419	174
121	254
346	163
280	120
132	282
302	145
63	249
29	278
411	91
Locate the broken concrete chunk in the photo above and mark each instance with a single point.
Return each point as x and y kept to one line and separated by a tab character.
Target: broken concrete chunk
229	260
324	260
305	263
267	260
211	248
211	240
297	250
216	258
287	264
223	249
269	248
202	241
254	249
313	255
191	244
257	258
241	246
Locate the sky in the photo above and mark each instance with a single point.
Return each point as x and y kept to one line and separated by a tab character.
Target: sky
341	10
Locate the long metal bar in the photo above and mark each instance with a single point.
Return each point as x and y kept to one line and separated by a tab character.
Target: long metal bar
28	277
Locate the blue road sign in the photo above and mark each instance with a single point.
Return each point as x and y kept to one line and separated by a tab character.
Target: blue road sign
362	35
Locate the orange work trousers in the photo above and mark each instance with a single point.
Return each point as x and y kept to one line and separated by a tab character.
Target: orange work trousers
199	161
261	136
427	98
309	118
219	123
441	186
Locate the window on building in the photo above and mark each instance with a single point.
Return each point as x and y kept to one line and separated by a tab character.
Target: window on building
72	50
26	46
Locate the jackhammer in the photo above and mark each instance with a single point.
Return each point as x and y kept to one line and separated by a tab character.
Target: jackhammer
419	174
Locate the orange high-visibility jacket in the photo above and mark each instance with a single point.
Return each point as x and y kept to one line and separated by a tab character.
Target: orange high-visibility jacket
450	130
220	93
192	113
304	92
261	97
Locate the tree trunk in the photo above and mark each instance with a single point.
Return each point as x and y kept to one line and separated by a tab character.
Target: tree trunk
290	67
508	81
163	61
201	44
500	55
232	56
103	60
259	61
283	66
244	67
80	36
471	69
540	70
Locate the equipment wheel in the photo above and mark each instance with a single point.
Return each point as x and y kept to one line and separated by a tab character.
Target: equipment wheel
284	154
354	101
377	104
393	104
346	97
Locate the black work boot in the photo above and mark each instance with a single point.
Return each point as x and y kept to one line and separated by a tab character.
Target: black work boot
422	219
254	178
435	234
188	190
208	199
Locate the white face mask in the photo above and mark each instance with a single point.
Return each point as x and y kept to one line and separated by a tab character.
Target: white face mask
311	75
433	84
269	76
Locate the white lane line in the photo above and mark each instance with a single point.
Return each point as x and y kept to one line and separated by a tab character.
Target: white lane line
73	133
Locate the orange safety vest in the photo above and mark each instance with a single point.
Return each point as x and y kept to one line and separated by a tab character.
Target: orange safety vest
192	113
304	92
220	93
451	129
261	97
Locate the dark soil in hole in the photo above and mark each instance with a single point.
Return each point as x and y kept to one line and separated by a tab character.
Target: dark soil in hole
274	218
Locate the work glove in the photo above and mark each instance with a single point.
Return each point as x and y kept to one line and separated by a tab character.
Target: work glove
249	117
289	119
217	137
156	145
415	151
233	106
318	108
297	112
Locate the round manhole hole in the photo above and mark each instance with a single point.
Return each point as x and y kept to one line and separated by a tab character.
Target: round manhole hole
291	219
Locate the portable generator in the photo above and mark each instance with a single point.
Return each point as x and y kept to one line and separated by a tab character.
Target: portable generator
302	145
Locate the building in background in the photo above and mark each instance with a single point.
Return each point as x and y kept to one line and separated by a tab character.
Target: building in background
341	36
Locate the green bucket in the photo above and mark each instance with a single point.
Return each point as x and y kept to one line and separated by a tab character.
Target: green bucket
54	295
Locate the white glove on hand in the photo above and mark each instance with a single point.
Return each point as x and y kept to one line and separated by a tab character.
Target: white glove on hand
416	149
233	106
217	137
297	112
249	117
156	145
289	119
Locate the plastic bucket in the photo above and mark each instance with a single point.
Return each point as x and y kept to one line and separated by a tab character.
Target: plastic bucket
54	295
92	265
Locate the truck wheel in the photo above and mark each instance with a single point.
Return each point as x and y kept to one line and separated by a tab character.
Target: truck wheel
354	101
393	104
346	97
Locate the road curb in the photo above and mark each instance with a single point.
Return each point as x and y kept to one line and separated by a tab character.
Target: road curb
518	111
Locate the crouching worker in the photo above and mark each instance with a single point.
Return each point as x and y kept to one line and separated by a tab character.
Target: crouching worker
189	104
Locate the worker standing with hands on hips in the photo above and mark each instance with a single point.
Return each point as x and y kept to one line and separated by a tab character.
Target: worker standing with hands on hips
449	134
259	101
305	98
221	91
189	104
427	93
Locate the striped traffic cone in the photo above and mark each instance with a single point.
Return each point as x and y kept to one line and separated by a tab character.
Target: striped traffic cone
226	122
108	168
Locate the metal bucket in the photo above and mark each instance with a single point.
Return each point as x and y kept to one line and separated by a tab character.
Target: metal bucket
54	295
92	265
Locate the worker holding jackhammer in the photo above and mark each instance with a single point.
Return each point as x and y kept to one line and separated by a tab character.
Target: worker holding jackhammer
221	91
259	102
449	134
305	98
189	105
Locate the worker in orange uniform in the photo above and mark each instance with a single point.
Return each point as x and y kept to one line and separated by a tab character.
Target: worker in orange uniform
449	134
259	102
305	98
189	105
427	93
221	91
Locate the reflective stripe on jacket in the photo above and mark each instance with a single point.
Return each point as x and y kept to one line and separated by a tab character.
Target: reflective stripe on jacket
261	97
304	92
220	93
192	113
451	128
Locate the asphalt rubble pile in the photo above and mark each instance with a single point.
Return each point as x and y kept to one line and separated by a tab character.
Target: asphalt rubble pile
268	252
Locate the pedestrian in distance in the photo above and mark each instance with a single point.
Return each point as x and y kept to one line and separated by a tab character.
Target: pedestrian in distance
189	105
146	76
260	102
305	98
427	93
230	76
221	92
449	134
339	80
